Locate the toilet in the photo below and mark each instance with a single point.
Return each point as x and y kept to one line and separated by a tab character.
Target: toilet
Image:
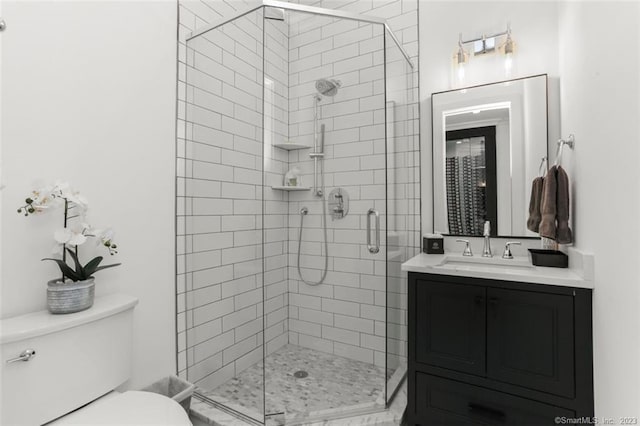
80	359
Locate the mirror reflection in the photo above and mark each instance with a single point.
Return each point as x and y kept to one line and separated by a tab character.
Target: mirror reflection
488	145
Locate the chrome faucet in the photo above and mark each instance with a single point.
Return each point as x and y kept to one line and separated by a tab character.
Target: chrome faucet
467	248
486	250
507	249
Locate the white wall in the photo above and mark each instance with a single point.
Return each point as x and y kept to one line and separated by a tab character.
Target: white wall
88	95
600	95
535	32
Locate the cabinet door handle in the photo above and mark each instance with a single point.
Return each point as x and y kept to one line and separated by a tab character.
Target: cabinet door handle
494	301
479	300
487	412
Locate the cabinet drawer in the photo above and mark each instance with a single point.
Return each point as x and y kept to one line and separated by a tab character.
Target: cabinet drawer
440	401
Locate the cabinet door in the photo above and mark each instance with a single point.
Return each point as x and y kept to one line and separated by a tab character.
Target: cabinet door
450	326
530	340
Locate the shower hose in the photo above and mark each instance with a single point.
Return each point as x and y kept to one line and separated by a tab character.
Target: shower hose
303	212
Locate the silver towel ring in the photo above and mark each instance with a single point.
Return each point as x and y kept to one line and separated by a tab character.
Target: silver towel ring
542	170
570	142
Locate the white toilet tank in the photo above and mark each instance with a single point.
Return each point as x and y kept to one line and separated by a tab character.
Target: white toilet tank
78	358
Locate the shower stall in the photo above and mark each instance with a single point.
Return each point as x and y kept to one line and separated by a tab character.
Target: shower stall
291	302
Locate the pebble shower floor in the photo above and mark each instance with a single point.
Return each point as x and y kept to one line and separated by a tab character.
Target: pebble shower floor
332	383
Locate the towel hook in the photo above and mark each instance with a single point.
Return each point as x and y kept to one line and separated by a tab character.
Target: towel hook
570	142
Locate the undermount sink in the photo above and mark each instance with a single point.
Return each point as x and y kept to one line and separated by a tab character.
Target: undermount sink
461	263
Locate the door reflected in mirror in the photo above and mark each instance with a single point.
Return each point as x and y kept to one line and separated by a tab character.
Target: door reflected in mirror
488	144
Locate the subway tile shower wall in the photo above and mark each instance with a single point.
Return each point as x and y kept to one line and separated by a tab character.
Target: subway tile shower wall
223	151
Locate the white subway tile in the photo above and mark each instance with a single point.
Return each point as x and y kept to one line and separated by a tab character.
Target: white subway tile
304	327
239	349
311	302
340	335
217	378
353	352
249	359
202	260
204	332
314	316
313	342
212	171
249	298
244	269
355	324
354	294
212	311
204	296
340	307
238	286
212	276
203	368
238	317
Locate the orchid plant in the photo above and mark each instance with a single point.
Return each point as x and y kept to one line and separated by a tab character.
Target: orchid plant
75	206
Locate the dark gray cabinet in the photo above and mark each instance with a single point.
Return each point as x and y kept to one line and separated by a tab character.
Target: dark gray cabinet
496	352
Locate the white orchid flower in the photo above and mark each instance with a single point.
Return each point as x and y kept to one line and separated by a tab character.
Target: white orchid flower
72	236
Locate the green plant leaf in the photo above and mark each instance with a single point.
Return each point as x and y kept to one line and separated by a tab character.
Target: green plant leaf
65	269
107	266
79	270
92	265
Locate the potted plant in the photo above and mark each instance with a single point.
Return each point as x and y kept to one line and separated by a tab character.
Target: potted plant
74	290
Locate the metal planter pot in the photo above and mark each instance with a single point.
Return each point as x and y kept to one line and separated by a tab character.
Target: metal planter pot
70	296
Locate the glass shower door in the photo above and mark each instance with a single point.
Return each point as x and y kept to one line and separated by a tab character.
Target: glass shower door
220	281
403	203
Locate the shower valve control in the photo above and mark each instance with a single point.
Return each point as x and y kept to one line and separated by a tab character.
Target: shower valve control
338	203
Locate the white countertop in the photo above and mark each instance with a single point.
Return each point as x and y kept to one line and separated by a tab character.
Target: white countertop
579	274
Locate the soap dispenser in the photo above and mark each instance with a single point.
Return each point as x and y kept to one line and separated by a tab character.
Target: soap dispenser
292	177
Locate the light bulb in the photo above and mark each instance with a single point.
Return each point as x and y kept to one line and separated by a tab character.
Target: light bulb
460	61
508	64
461	72
509	47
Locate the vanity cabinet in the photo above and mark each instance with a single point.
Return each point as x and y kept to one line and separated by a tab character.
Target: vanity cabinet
497	352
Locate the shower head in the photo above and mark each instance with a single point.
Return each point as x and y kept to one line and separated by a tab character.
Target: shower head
328	87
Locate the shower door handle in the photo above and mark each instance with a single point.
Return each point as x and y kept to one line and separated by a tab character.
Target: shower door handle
373	248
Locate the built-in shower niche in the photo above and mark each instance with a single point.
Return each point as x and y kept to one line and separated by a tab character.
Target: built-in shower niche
256	86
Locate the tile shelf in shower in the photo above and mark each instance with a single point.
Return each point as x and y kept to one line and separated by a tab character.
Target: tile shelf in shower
290	188
291	146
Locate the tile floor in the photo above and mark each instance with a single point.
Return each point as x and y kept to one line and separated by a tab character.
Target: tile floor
333	384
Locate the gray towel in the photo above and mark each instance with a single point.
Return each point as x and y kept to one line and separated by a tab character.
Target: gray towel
555	207
533	223
547	227
563	232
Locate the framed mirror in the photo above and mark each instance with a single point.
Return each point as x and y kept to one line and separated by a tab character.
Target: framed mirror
489	142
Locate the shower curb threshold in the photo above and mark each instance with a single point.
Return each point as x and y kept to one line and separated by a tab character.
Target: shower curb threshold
204	414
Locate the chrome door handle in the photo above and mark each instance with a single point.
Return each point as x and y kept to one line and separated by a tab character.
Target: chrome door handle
373	248
25	355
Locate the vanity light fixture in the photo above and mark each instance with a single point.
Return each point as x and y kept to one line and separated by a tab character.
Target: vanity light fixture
483	45
461	58
508	48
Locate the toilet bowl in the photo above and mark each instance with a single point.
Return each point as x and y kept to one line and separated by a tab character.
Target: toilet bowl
128	408
75	363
